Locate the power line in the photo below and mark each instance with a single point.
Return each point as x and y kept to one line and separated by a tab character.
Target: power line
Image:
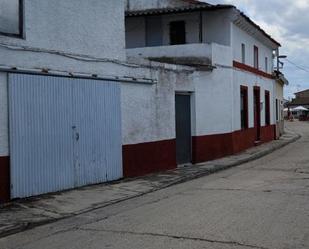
299	67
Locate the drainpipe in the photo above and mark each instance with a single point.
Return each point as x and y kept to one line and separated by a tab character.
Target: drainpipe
201	27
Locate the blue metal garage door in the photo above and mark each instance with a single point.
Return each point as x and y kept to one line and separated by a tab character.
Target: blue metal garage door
64	133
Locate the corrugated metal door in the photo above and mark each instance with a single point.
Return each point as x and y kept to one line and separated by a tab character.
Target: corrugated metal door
64	133
97	132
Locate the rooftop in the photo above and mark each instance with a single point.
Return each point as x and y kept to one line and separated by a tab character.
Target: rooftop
307	90
299	101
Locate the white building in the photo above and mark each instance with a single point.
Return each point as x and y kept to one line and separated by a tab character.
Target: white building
234	97
78	108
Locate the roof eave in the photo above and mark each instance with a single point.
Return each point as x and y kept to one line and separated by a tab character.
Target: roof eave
256	26
184	9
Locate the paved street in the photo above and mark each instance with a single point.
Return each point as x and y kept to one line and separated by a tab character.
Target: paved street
261	204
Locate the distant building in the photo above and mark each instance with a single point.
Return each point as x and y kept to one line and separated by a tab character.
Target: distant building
301	99
281	82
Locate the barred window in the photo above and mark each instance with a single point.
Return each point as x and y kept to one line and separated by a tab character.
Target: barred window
11	17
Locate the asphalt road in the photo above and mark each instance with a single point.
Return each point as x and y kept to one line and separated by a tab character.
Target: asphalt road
261	204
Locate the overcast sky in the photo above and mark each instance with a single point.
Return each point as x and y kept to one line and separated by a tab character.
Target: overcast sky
288	22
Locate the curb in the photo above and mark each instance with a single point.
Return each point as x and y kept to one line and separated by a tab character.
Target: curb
211	169
219	168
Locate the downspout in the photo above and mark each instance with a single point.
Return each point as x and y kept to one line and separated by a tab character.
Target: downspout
201	27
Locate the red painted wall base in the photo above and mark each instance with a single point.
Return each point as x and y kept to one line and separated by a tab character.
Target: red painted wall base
268	133
206	148
4	179
210	147
146	158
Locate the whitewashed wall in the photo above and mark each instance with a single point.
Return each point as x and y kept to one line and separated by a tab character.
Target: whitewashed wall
4	142
214	102
279	91
217	27
186	50
238	37
211	99
250	80
214	95
92	27
148	111
54	29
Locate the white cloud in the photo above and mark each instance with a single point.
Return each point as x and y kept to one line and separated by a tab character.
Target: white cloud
301	3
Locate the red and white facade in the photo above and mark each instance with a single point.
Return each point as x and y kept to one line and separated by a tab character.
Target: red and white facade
226	39
208	69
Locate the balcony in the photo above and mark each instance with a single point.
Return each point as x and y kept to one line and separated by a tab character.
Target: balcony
202	55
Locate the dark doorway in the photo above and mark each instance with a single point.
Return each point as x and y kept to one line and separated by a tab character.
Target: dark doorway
183	129
257	113
177	33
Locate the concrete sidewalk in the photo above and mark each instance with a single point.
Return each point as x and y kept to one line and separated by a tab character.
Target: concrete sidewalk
25	214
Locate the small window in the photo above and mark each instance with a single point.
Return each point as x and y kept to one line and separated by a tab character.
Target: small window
267	108
243	53
244	107
266	64
256	57
177	33
11	17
